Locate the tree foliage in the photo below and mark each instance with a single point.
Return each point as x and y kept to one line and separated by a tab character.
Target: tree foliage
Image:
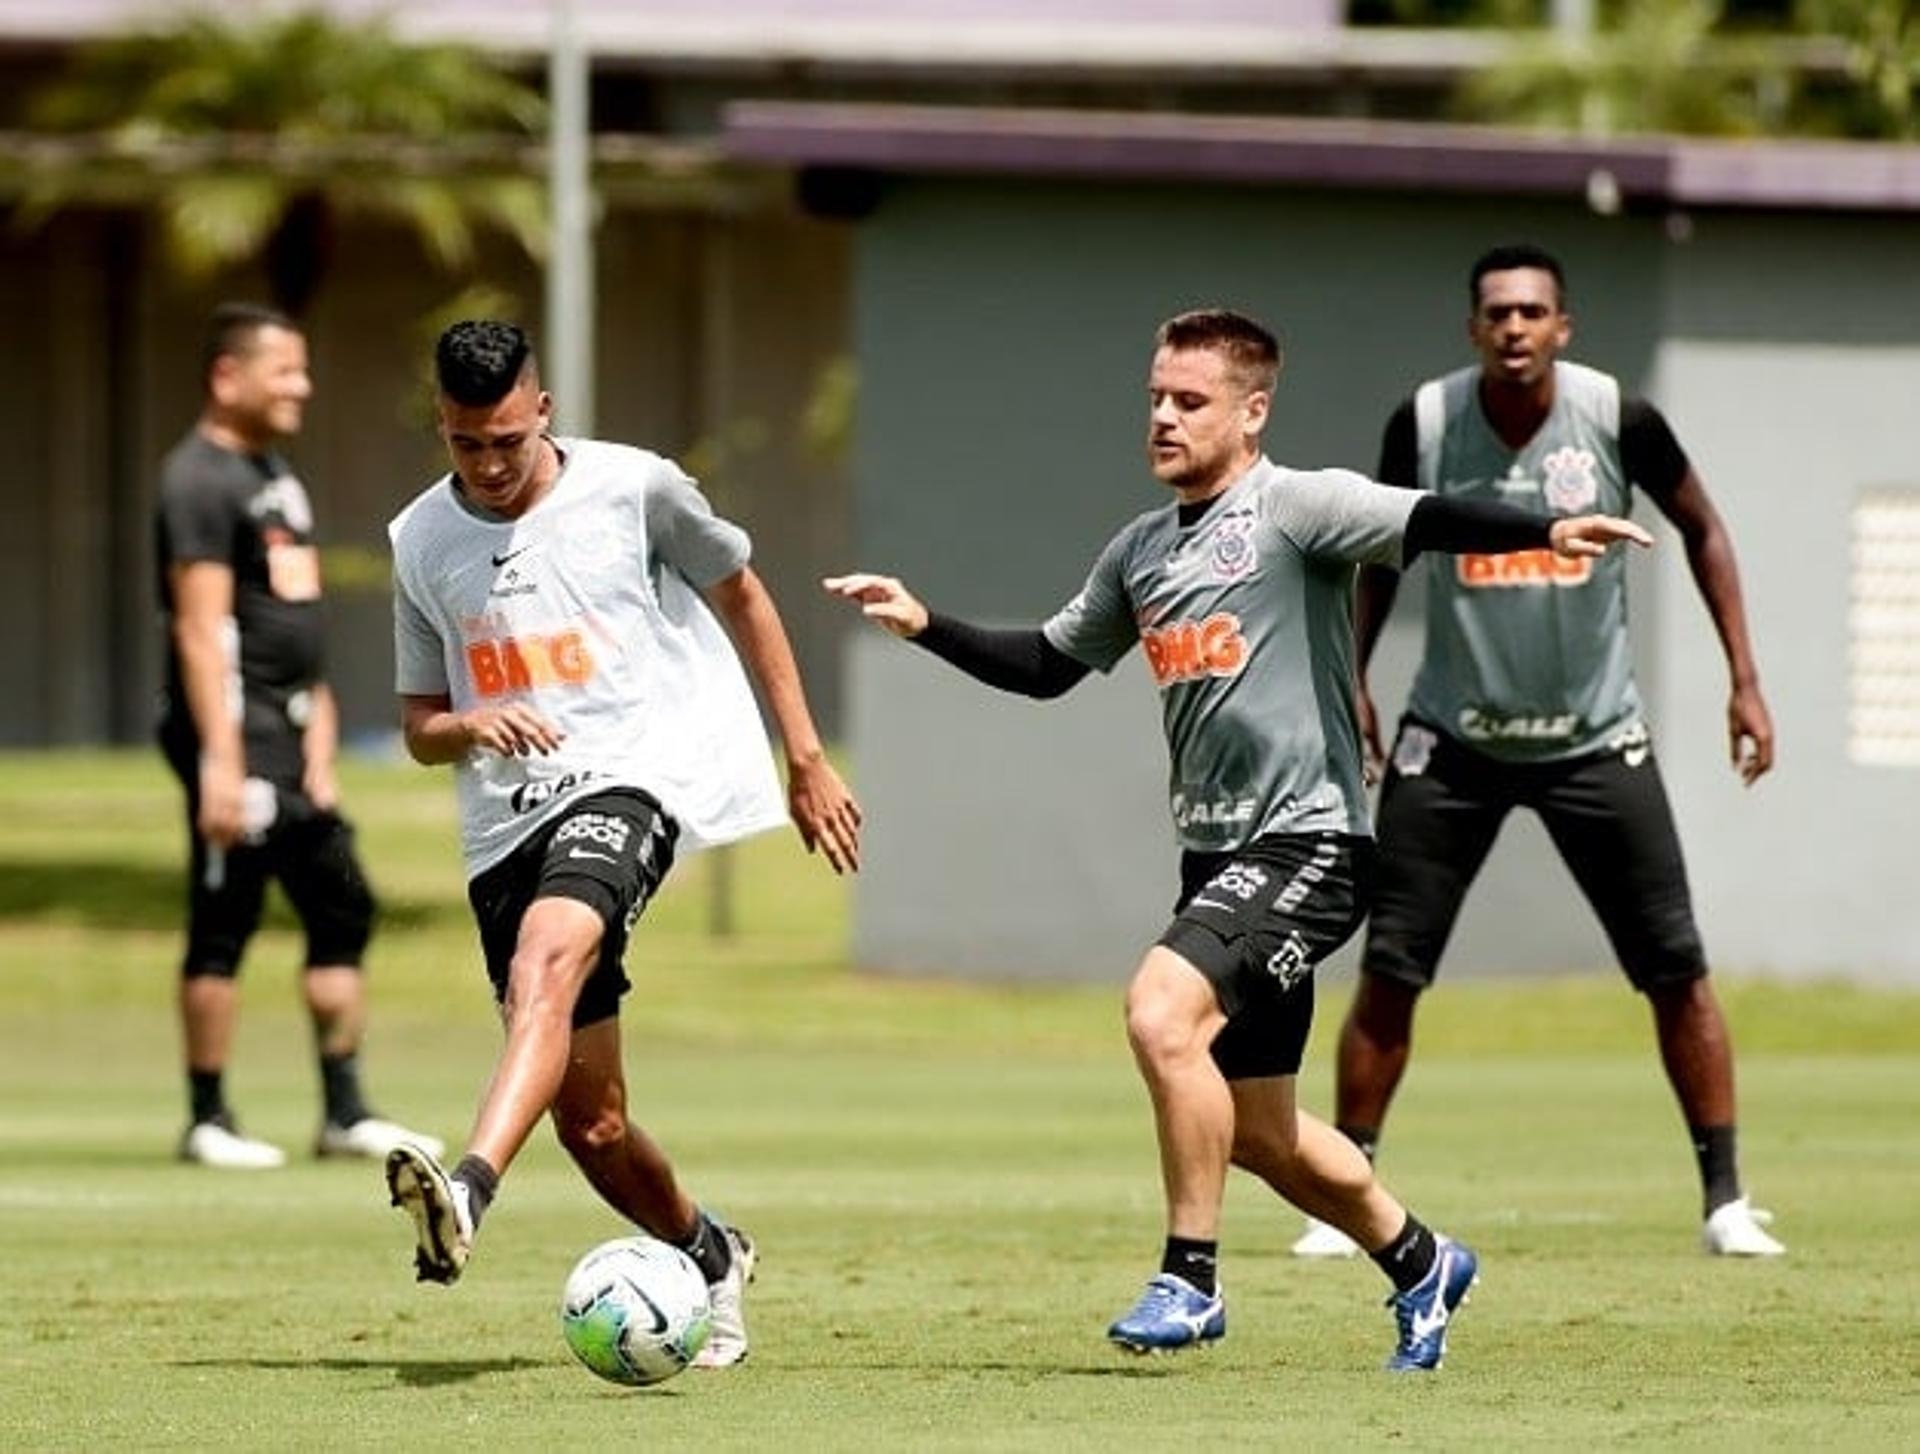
253	133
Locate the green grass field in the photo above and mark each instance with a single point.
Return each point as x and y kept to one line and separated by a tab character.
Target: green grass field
954	1187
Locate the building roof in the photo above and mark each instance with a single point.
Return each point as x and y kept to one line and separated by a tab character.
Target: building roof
1387	156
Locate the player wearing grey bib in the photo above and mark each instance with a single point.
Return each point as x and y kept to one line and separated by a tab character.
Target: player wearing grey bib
554	644
1238	595
1525	698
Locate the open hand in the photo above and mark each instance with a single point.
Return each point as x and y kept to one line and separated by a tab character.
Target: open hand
1575	535
882	600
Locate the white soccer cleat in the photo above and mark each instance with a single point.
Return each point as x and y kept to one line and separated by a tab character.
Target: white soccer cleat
727	1344
442	1220
372	1138
1736	1229
1321	1239
211	1144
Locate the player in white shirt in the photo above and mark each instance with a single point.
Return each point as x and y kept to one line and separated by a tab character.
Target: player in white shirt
554	643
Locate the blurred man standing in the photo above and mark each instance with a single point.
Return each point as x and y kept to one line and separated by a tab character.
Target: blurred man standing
1525	699
250	729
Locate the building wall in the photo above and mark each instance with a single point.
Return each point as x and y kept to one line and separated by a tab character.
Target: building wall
1003	330
1793	360
714	336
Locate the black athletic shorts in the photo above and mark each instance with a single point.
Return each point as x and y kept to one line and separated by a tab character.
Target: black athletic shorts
1255	922
309	850
610	851
1607	813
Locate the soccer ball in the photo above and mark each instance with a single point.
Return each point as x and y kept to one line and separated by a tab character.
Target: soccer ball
635	1310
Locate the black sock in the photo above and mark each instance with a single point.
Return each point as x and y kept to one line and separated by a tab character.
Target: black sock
709	1248
1367	1138
1719	1167
1196	1261
481	1180
206	1099
340	1088
1408	1258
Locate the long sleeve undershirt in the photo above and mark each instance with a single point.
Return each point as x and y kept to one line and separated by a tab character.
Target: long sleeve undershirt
1023	661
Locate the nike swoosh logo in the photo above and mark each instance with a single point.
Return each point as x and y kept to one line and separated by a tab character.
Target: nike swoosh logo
503	559
588	853
659	1318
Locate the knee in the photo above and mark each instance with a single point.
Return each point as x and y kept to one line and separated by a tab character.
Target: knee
1382	1010
1160	1027
588	1135
541	985
1265	1150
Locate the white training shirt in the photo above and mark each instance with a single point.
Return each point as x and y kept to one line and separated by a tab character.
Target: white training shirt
585	608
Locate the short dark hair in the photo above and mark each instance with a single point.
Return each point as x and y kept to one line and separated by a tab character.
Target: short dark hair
231	330
479	361
1251	351
1516	255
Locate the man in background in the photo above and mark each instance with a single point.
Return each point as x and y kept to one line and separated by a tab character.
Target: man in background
1525	699
249	727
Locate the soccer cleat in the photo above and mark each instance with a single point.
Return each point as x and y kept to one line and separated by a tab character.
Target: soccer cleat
1172	1313
442	1224
220	1144
1737	1229
372	1138
1424	1310
1321	1239
726	1344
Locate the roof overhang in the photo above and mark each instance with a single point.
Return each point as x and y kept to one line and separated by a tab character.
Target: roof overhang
1673	172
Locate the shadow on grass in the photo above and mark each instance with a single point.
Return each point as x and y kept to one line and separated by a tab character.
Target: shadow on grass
413	1372
108	895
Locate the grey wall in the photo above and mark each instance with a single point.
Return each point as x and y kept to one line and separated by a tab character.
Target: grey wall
1003	331
1794	361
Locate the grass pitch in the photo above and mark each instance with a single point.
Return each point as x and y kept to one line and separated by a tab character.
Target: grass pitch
954	1187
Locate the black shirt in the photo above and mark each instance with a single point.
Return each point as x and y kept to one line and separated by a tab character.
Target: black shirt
249	513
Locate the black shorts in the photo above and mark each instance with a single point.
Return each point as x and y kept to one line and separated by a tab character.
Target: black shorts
1255	922
610	851
310	852
1607	813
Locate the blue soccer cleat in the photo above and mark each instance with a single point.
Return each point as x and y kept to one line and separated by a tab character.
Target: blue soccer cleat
1172	1313
1424	1311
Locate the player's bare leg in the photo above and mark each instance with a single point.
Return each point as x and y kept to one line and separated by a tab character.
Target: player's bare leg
1172	1018
633	1175
209	1007
1325	1175
1309	1163
559	944
1375	1040
620	1161
1697	1051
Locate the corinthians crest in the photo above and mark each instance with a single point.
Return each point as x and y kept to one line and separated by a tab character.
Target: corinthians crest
1232	555
1571	484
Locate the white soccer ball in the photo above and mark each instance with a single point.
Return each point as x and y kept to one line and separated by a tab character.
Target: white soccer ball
635	1310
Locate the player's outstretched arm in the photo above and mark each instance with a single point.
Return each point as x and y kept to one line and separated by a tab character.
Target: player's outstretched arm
1575	535
822	807
1020	661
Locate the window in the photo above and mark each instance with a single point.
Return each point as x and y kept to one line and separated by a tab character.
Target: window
1884	630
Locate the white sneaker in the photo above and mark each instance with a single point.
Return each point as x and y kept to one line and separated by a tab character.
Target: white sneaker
442	1219
1736	1230
1322	1240
212	1144
372	1138
726	1345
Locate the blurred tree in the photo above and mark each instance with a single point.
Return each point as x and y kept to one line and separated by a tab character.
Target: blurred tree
1882	40
255	133
1659	65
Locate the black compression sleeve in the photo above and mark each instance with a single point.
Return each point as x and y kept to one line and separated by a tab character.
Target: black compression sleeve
1441	522
1022	661
1400	451
1649	453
